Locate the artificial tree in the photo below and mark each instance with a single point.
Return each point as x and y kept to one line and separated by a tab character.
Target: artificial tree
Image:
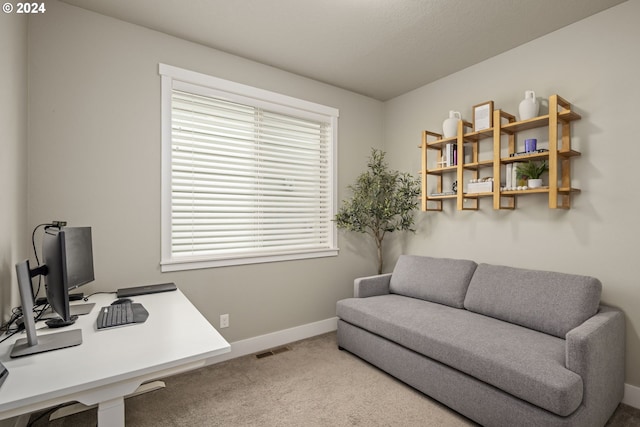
383	201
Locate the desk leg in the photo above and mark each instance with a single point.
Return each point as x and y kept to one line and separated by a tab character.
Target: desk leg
78	407
111	413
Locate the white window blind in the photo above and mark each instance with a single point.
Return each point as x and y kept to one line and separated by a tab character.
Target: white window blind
250	180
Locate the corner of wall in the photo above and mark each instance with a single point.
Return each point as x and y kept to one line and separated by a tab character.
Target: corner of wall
13	162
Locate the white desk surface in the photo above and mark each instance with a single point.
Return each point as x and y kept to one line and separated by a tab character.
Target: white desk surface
113	362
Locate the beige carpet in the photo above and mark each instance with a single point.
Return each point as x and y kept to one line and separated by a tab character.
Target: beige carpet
311	384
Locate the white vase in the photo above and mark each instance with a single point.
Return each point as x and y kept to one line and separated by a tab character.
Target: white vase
529	106
534	183
450	125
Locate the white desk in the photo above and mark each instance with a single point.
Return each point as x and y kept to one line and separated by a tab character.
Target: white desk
111	363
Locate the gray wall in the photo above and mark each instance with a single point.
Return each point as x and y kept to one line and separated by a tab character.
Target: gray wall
595	65
13	155
94	159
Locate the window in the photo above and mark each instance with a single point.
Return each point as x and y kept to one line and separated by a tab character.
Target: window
247	175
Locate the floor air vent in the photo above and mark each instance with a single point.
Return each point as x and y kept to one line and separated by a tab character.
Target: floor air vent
272	352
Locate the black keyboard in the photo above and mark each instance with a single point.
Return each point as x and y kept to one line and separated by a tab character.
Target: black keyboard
115	315
126	313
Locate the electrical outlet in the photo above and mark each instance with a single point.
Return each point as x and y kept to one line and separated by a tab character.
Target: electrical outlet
224	321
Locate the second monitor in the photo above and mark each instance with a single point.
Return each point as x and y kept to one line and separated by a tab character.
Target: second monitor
68	256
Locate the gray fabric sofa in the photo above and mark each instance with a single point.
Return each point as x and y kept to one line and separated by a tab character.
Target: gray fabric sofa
503	346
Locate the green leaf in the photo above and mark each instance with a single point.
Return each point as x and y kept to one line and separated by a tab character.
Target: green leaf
531	169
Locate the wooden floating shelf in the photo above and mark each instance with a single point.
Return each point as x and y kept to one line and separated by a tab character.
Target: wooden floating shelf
527	191
539	190
477	195
471	145
477	135
478	165
569	190
524	157
569	153
538	156
440	143
440	171
537	122
448	196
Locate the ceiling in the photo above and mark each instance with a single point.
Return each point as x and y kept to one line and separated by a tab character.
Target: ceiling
378	48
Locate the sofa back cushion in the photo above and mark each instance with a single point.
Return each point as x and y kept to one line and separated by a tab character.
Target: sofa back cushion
548	302
440	280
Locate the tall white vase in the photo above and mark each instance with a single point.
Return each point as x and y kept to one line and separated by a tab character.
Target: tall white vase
529	106
450	125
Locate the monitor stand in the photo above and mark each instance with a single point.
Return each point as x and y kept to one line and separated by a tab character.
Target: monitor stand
34	344
47	342
60	323
81	309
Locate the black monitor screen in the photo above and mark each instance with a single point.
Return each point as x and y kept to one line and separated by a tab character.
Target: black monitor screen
68	256
77	256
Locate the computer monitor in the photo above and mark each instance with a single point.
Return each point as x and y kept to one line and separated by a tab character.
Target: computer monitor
68	257
77	250
68	263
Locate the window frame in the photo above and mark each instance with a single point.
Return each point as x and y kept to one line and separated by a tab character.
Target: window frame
189	81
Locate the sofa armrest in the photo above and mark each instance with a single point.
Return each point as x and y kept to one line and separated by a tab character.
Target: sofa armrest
596	352
370	286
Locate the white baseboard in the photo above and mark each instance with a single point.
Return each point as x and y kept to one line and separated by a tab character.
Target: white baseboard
276	339
631	396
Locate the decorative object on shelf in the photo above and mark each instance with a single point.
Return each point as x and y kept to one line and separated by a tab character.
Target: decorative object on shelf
481	185
518	188
483	116
533	171
383	201
530	145
524	153
529	106
454	186
450	125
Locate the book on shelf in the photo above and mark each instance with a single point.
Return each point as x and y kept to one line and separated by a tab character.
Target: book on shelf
526	153
511	175
451	154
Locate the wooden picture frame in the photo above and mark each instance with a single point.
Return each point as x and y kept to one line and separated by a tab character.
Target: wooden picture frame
483	116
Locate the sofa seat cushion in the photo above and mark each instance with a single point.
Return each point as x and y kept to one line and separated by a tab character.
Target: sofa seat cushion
522	362
441	280
545	301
